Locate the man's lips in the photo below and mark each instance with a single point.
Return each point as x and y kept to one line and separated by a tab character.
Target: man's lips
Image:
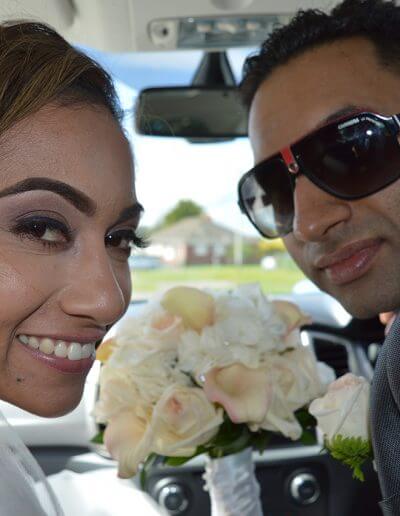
350	262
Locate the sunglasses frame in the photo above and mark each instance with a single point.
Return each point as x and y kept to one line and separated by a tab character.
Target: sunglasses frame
289	158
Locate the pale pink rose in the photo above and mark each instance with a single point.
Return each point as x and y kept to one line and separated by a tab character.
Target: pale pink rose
296	382
183	419
195	307
151	330
128	439
291	315
165	324
244	393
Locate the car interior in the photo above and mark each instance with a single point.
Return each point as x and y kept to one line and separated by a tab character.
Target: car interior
182	61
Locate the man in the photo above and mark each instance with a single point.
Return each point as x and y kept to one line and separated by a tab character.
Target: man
324	102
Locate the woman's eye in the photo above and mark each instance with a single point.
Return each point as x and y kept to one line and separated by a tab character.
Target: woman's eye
49	232
124	240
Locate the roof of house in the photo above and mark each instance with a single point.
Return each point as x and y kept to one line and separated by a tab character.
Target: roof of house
195	230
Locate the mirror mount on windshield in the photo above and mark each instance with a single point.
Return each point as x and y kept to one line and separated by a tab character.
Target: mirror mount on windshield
214	70
207	111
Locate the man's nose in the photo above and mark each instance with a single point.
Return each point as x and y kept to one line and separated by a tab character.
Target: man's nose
316	212
94	291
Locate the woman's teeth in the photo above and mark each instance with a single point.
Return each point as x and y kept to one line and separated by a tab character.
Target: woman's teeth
59	348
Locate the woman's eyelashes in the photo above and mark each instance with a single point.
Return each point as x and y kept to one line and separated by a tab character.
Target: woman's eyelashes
124	240
49	232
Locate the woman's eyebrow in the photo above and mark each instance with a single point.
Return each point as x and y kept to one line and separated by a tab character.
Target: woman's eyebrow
77	198
131	212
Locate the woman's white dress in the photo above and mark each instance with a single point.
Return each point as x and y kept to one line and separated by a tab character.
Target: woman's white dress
25	490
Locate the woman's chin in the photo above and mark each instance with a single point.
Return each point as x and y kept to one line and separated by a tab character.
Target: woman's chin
56	410
50	406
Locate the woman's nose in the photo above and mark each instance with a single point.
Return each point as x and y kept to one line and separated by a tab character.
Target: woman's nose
316	212
94	290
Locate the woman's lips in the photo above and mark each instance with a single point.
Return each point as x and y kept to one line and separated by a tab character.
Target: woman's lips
63	365
351	262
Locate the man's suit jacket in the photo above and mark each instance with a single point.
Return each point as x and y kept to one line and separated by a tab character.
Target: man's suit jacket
385	420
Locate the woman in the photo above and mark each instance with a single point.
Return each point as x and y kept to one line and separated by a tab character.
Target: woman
68	219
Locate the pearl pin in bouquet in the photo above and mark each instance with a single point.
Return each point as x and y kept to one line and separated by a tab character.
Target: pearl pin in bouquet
208	372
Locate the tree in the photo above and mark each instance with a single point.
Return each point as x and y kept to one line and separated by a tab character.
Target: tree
183	209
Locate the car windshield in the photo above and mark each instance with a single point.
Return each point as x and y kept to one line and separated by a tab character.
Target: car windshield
197	234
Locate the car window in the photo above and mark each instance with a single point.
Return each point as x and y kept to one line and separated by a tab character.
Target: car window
196	231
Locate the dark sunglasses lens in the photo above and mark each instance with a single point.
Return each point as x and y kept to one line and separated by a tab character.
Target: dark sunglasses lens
351	161
267	197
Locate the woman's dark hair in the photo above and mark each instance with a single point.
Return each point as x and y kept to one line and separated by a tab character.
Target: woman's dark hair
376	20
38	67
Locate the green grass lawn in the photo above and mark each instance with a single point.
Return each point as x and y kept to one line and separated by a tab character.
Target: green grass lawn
277	281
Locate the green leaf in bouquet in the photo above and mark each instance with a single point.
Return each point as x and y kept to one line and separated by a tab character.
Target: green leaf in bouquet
178	461
230	439
308	438
306	420
150	461
352	451
98	438
260	440
308	423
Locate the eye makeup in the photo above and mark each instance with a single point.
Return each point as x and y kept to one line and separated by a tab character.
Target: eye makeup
49	232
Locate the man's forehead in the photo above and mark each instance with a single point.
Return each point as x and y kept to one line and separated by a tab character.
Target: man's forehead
264	132
326	84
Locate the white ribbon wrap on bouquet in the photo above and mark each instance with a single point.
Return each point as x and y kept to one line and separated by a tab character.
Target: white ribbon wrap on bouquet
232	485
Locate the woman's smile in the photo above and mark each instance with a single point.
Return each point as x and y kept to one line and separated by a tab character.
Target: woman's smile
66	356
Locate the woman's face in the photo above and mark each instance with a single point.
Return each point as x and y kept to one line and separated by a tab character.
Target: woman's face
68	216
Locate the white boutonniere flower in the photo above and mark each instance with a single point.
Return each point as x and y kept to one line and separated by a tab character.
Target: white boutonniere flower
342	415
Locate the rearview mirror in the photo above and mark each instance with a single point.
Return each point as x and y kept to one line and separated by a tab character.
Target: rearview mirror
191	112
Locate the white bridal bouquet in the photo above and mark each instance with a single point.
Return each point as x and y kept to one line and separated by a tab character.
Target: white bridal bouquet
215	373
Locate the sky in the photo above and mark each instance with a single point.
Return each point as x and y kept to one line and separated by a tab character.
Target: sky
170	169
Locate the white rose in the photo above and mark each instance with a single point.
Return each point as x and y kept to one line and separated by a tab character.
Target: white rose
151	373
183	419
247	328
117	393
344	408
326	374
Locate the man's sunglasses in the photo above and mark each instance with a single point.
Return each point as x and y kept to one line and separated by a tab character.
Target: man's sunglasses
350	159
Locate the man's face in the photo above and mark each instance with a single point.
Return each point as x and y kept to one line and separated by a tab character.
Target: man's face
350	249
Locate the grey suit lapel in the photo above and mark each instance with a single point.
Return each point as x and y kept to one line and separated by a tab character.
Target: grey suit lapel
385	420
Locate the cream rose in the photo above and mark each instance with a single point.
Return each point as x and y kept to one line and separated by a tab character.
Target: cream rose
117	393
244	393
151	373
128	439
151	330
183	419
296	382
344	408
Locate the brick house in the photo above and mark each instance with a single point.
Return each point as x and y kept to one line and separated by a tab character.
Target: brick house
197	241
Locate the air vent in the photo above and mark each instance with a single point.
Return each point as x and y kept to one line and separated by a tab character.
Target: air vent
333	354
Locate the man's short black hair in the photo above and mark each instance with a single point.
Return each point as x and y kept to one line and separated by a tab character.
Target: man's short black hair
376	20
